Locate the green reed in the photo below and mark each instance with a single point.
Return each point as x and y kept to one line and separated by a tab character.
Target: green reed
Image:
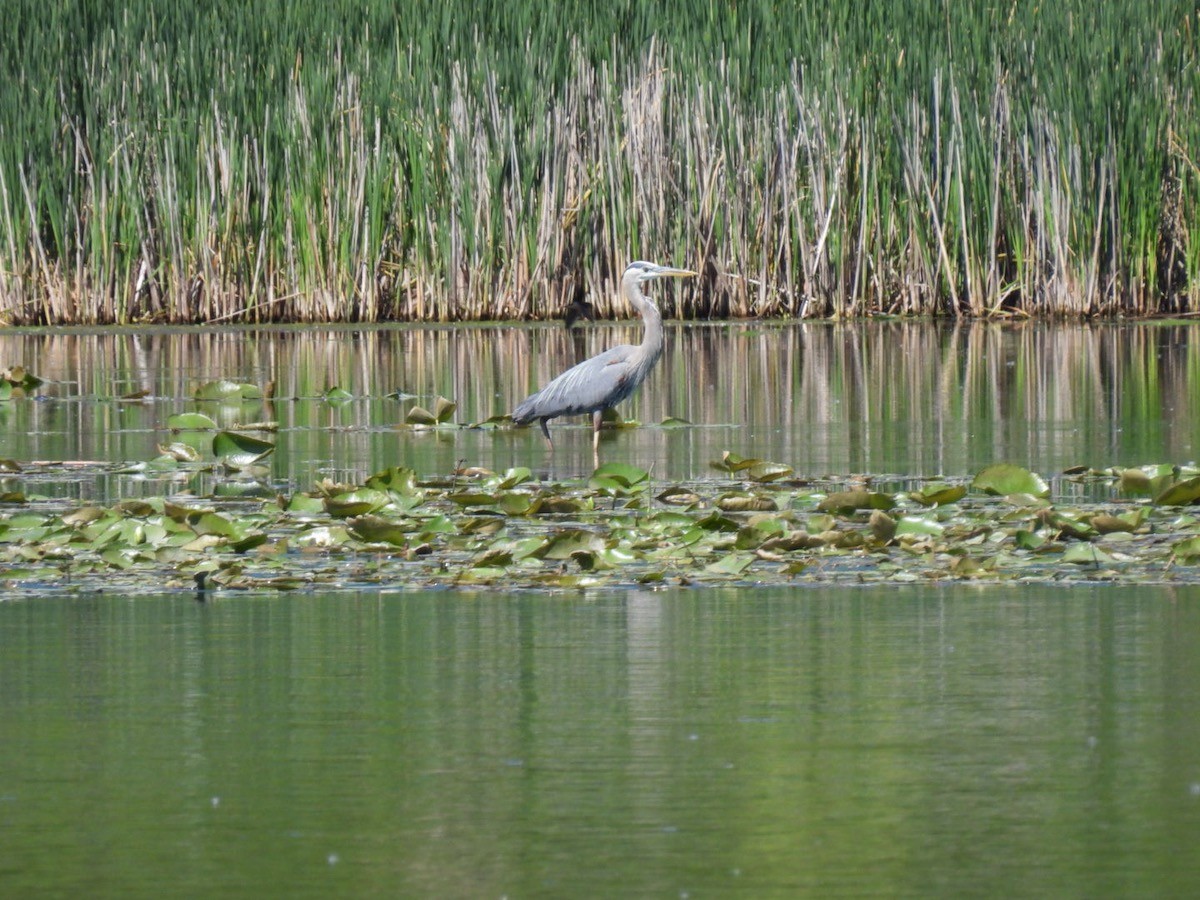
272	161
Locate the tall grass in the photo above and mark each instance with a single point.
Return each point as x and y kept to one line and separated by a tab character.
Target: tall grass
270	161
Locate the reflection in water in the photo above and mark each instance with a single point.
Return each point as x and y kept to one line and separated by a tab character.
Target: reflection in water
902	741
908	398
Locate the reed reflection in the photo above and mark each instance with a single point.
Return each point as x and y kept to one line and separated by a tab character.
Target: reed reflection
913	398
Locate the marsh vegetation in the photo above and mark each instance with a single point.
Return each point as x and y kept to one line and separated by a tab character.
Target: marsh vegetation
310	162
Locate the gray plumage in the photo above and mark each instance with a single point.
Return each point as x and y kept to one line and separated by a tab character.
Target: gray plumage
606	379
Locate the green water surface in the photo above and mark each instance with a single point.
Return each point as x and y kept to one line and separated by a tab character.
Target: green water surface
936	741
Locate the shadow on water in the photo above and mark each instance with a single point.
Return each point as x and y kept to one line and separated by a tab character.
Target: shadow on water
909	398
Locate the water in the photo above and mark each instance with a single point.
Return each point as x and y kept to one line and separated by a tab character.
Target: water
906	398
921	741
901	742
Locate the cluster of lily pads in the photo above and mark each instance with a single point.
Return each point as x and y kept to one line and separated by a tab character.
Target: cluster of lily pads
754	521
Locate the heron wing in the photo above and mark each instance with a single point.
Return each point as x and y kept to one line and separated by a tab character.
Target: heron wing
595	383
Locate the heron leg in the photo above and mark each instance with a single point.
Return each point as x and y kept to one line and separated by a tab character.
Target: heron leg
546	432
596	418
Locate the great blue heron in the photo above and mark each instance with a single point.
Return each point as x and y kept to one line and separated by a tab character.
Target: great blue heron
606	379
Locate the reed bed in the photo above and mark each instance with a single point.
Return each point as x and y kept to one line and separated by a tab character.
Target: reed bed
267	161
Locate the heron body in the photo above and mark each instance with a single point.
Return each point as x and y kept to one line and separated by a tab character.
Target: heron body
606	379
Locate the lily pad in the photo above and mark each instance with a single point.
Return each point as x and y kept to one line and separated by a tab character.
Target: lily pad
443	409
1182	493
732	462
1004	479
619	479
239	450
192	421
731	564
938	494
378	529
848	501
769	471
565	543
398	479
20	379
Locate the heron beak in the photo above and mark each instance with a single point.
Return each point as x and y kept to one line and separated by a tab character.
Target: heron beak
668	272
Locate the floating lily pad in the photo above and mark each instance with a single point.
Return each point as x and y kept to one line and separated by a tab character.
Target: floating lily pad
678	496
20	378
1182	493
356	503
1005	479
619	479
443	409
378	529
1187	551
739	501
732	462
564	543
482	527
938	494
180	451
513	477
192	421
239	450
840	501
398	479
731	564
769	471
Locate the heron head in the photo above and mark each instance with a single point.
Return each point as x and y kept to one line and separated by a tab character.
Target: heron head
645	271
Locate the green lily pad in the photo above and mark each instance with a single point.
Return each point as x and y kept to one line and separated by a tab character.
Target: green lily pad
378	530
732	564
619	479
565	543
769	471
1086	554
398	479
938	494
919	525
356	503
20	379
1187	551
191	422
248	541
240	450
1004	479
1182	493
848	501
513	477
732	462
180	451
678	496
443	409
739	501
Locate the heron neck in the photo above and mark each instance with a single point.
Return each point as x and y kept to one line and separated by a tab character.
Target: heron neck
652	337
